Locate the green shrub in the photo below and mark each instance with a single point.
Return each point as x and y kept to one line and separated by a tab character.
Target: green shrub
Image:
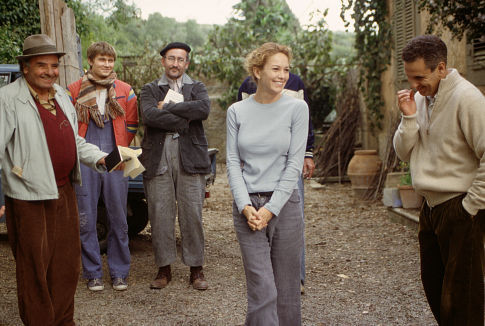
405	179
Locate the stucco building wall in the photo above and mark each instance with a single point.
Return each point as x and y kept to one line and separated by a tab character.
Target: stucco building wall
457	58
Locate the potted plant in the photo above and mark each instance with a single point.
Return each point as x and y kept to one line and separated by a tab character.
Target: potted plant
409	197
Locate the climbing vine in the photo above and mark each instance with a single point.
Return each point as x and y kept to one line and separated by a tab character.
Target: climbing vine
459	16
373	44
19	19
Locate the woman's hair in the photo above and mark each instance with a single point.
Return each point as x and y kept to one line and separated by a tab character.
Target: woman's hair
100	48
258	57
429	47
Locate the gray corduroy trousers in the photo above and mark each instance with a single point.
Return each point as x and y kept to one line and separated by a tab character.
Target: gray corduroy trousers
271	259
171	191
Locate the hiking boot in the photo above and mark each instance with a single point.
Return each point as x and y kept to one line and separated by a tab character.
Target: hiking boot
197	278
162	279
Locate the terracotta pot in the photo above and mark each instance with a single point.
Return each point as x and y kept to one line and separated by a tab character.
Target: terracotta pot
409	197
393	179
362	171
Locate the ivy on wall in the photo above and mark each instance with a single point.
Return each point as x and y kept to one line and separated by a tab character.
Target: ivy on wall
459	16
373	44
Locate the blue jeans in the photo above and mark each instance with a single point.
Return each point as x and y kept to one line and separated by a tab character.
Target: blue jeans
301	192
113	188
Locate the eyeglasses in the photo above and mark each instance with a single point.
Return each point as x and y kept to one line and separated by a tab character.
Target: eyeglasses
173	59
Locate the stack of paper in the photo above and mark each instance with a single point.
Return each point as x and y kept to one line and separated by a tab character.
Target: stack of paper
129	157
173	96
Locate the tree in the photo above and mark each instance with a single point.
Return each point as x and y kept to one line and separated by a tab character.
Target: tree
459	16
20	18
373	45
122	13
82	13
316	67
195	34
255	22
343	45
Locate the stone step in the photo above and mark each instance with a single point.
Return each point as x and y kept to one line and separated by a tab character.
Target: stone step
408	217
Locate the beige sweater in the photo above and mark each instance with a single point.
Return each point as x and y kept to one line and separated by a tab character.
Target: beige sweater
446	150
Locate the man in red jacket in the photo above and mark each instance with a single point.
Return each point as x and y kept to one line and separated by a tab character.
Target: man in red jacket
108	116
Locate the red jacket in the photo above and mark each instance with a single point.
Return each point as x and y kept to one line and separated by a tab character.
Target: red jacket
125	127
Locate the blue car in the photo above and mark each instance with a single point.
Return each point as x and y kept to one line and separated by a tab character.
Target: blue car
8	73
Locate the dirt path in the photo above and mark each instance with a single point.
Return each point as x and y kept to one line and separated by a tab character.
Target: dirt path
362	269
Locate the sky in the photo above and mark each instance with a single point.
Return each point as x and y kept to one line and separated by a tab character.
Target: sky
218	11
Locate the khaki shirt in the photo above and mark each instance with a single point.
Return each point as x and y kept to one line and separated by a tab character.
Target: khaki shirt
49	104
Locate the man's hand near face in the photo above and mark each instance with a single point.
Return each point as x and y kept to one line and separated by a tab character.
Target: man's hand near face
405	101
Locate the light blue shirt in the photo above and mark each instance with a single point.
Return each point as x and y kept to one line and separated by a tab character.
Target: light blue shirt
265	149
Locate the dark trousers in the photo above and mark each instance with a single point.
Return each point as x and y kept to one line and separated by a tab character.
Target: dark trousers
44	236
451	247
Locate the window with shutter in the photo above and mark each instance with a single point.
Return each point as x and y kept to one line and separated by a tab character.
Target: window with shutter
405	17
476	62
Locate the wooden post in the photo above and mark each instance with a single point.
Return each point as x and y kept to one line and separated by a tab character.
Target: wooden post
58	22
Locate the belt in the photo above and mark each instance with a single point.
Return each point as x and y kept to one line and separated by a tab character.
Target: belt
262	194
173	134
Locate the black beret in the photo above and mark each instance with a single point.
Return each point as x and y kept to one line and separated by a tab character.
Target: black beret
175	45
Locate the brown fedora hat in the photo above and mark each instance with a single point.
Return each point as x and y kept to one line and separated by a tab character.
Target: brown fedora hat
39	44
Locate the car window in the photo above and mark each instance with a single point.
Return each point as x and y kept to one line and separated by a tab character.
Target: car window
4	78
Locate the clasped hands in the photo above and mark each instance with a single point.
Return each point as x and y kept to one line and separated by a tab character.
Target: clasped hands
257	219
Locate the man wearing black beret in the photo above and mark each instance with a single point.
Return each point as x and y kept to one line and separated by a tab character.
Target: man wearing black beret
176	161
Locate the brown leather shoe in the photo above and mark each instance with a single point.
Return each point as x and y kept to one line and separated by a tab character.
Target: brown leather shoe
164	276
197	278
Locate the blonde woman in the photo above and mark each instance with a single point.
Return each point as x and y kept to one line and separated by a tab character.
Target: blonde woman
266	139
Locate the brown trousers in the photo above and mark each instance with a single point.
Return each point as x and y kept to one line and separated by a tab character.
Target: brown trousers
452	257
44	236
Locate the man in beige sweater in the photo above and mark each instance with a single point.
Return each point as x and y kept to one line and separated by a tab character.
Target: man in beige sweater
442	135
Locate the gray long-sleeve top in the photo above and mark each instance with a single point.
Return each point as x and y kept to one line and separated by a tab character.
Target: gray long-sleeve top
265	149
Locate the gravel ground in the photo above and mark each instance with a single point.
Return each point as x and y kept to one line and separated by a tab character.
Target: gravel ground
362	269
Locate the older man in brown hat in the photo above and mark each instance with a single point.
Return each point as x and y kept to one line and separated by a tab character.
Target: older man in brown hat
40	152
